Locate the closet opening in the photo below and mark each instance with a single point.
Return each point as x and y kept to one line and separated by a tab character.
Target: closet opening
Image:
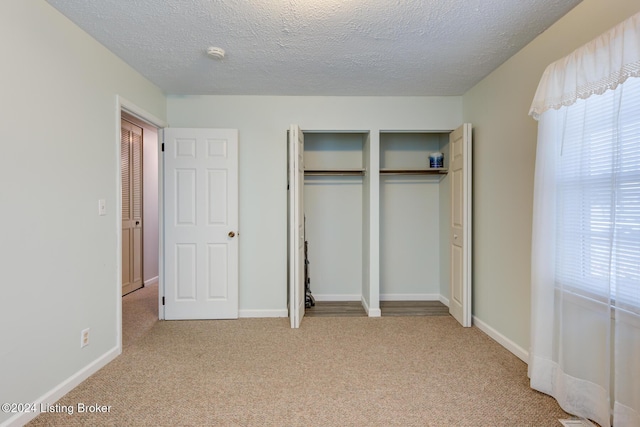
414	223
334	210
385	228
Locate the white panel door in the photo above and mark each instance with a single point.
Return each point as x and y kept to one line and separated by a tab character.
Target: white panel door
296	226
200	223
460	236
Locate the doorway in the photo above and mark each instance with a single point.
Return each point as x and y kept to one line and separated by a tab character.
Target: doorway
143	205
150	210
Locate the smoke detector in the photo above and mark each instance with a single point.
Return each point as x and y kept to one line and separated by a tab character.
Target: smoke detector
215	52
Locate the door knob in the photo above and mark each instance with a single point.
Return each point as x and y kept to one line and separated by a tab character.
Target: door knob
137	222
232	234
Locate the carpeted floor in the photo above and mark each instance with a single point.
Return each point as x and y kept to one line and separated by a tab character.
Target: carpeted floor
139	314
389	371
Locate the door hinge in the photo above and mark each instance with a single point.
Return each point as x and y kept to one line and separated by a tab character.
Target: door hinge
163	146
162	300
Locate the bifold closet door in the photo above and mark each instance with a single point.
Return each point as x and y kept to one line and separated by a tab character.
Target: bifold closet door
296	226
460	235
131	170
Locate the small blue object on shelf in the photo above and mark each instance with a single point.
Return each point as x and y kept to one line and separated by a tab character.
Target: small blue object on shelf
436	160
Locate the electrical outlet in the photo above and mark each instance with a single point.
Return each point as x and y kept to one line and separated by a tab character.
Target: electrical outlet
84	338
102	207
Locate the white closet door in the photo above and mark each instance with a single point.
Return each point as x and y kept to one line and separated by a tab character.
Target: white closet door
201	223
460	236
296	226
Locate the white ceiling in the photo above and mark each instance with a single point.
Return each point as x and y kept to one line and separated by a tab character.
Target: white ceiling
315	47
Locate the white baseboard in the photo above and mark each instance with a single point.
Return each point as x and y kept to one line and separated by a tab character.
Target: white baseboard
371	312
263	313
152	281
52	396
337	297
444	300
514	348
365	305
410	297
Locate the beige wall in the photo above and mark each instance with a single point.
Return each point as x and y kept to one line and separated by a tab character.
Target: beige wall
58	263
504	160
263	122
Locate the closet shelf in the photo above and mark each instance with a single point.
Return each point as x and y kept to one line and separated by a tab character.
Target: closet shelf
335	172
433	171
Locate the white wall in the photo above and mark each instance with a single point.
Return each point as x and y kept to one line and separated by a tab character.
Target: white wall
150	205
504	159
58	263
370	250
263	123
334	211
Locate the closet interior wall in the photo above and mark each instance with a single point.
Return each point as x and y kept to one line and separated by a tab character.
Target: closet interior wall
414	218
377	216
335	211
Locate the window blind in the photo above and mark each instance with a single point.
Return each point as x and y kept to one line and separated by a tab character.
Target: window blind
598	198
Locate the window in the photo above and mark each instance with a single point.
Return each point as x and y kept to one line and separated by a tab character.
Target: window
598	197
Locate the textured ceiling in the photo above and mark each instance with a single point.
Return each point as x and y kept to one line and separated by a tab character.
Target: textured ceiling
315	47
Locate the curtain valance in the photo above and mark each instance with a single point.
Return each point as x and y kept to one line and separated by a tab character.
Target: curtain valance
600	65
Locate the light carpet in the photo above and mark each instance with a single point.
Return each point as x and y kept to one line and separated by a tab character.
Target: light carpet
390	371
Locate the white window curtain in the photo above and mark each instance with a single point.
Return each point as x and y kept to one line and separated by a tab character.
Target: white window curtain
585	320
